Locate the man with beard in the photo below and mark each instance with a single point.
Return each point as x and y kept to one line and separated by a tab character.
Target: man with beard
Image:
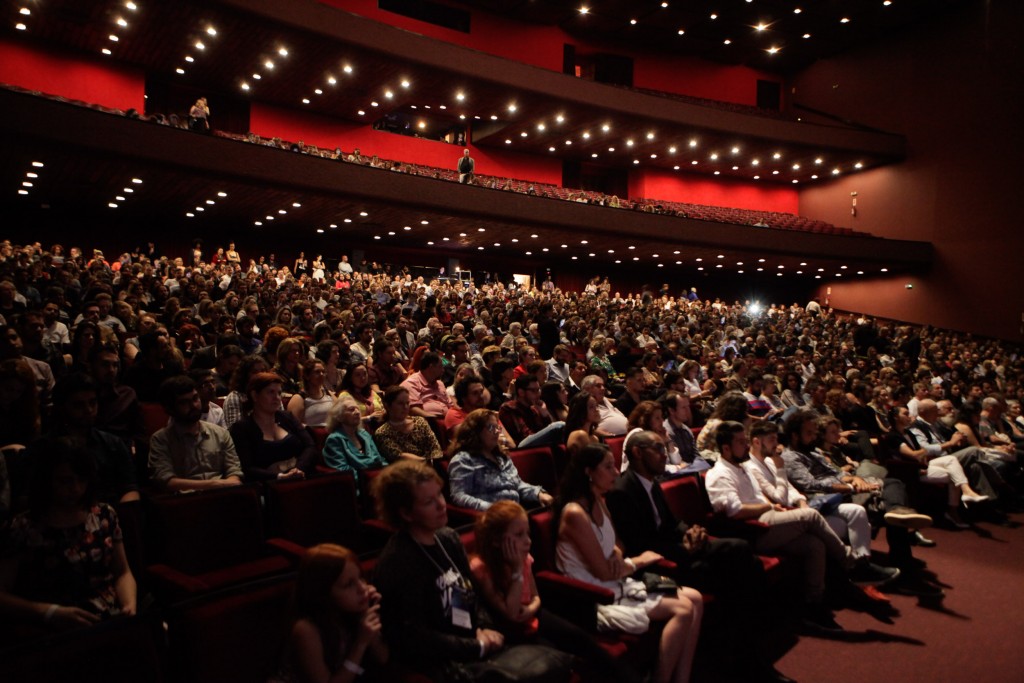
189	454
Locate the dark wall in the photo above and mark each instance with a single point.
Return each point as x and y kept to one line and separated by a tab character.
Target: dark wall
955	89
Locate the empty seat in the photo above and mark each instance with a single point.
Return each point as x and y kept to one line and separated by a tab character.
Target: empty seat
208	540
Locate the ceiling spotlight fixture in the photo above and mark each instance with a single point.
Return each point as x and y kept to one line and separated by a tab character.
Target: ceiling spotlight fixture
347	68
122	23
331	80
512	108
282	51
200	46
106	51
211	31
772	50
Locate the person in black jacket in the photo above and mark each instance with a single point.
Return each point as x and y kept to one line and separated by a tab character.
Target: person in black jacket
271	443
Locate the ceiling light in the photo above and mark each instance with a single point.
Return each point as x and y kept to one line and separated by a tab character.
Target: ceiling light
611	149
189	59
629	143
318	91
844	20
584	10
568	142
134	180
714	156
211	31
347	68
671	150
632	22
245	86
664	5
835	171
179	70
493	117
772	50
512	108
636	161
331	80
106	51
551	149
675	168
650	136
796	167
121	22
388	94
507	141
858	165
797	10
20	26
131	5
693	163
886	3
305	100
113	38
460	96
807	35
541	127
654	156
200	208
405	84
606	128
755	162
269	64
374	104
681	32
282	211
25	10
693	143
282	51
559	118
775	173
30	174
200	46
26	184
713	17
361	112
727	41
522	134
760	27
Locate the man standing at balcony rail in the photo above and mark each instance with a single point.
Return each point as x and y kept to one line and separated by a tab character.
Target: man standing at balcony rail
466	168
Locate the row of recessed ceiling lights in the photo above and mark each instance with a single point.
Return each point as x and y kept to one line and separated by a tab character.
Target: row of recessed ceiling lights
739	264
280	212
761	26
31	176
267	64
202	207
200	46
126	190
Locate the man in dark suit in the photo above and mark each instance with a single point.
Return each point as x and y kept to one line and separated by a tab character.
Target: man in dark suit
726	567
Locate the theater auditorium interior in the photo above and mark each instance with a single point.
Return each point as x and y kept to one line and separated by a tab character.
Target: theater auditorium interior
632	160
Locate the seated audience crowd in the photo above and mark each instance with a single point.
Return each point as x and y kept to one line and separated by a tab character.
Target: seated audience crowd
153	375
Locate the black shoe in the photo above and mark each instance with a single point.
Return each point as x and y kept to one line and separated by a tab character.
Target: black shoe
818	619
922	541
871	574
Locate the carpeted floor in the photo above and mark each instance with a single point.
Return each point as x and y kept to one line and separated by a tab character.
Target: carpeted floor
975	634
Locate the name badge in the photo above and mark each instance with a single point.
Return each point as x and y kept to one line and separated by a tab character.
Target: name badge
461	606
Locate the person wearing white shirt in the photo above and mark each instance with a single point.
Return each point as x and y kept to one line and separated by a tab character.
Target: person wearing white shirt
848	520
802	533
612	421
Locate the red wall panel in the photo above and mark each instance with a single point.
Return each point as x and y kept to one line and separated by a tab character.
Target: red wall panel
681	187
330	133
72	76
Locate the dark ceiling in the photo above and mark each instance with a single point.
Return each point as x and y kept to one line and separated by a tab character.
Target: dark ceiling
244	55
803	31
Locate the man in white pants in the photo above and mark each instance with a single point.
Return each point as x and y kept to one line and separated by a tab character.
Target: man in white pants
848	520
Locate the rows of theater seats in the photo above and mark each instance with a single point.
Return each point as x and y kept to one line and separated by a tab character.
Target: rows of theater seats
716	214
221	567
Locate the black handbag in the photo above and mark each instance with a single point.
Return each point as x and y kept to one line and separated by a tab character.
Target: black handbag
656	583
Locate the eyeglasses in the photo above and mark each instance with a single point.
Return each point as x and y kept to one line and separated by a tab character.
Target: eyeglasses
493	428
